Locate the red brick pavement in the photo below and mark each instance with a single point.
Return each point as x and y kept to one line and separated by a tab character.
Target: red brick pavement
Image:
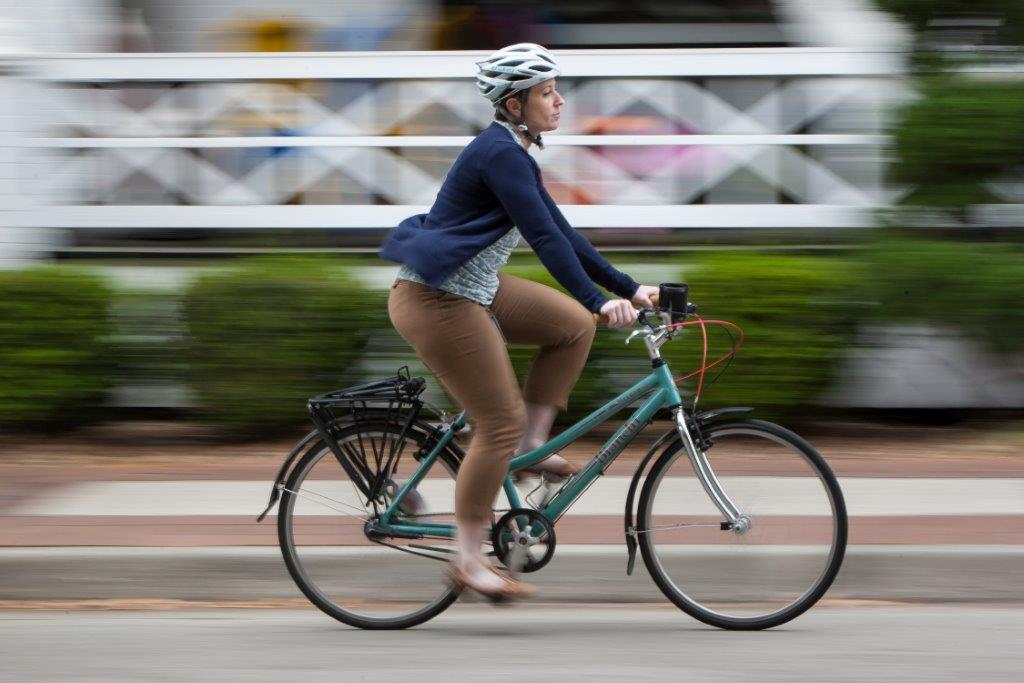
221	530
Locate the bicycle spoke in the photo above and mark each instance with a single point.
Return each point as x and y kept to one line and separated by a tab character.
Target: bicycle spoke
785	549
354	574
682	525
309	495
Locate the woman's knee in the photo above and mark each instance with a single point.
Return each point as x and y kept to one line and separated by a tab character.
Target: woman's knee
581	327
503	430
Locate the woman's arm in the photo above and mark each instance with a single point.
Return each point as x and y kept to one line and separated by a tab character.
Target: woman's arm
599	270
509	174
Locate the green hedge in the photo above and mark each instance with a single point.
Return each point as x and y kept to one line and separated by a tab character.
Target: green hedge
959	136
975	288
267	335
261	338
798	314
56	366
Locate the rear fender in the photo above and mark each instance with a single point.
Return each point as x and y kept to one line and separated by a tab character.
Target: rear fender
282	473
423	428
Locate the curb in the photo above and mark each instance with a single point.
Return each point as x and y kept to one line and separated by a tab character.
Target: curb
581	573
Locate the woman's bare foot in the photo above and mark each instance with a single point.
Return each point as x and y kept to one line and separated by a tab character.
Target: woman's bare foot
478	576
488	581
470	569
552	465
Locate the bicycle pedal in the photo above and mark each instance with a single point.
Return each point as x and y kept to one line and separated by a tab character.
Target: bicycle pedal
548	489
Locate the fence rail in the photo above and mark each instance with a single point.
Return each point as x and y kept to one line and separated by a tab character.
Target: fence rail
642	63
758	138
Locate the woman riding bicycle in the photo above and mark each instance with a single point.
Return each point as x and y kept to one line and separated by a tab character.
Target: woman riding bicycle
450	303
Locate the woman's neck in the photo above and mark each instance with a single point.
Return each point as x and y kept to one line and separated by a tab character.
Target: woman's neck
525	141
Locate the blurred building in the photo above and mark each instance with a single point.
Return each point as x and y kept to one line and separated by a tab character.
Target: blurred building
835	100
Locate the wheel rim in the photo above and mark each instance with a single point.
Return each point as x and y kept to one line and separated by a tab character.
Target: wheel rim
774	570
338	567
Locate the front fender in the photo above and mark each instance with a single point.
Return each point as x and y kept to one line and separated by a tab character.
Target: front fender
709	415
664	441
630	530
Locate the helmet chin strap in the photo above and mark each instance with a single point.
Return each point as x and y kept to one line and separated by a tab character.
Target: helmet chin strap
535	139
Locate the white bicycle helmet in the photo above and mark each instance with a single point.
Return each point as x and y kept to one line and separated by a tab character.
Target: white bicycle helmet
512	70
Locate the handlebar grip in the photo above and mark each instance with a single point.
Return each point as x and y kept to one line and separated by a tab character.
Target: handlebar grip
601	319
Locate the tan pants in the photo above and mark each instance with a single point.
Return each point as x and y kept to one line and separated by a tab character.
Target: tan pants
460	341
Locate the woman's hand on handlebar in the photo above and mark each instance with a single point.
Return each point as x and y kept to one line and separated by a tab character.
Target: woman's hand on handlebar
618	313
645	296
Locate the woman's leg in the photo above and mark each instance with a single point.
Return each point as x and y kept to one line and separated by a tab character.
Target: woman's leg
539	418
457	339
532	313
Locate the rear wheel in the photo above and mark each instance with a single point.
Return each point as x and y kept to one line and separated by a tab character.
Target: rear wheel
323	523
776	569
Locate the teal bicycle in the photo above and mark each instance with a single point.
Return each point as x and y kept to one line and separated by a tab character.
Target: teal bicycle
740	522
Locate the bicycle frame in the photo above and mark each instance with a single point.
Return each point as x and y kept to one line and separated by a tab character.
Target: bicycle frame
663	394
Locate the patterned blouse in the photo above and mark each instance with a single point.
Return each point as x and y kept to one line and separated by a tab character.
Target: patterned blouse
477	278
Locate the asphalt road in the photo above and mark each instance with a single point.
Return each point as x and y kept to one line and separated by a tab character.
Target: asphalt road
474	642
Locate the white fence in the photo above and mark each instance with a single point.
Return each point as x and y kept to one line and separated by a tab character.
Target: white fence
741	138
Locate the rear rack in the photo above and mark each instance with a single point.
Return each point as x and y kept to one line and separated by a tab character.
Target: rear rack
394	402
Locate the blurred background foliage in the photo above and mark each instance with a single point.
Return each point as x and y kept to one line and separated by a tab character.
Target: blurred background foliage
267	335
254	340
796	312
974	289
957	148
961	136
922	15
56	365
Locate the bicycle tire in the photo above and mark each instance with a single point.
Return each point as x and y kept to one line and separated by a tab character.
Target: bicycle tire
715	433
449	459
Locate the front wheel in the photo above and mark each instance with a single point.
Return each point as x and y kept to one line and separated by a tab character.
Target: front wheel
774	570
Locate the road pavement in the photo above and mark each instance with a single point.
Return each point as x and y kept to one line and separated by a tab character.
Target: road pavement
522	643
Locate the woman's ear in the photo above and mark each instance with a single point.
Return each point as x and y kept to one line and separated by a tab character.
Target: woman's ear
514	107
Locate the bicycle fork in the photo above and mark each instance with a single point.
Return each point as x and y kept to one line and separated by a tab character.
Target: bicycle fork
735	520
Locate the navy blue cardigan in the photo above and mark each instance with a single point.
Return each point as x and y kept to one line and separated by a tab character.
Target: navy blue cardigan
493	185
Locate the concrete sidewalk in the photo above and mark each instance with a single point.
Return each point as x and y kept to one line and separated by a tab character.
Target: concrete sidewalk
865	497
186	513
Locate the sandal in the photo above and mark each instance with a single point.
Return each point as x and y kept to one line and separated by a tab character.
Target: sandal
510	588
